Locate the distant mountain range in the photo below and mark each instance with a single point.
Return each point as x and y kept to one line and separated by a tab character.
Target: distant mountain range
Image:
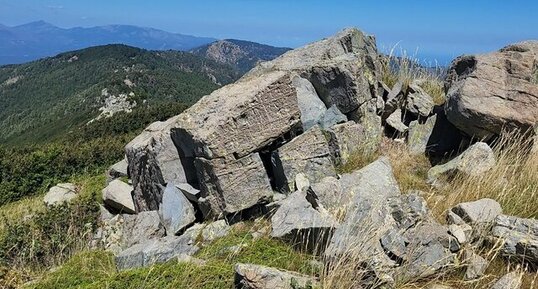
39	39
243	55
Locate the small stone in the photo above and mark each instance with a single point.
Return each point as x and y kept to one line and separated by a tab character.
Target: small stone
250	276
60	194
301	182
480	211
458	233
395	121
511	280
215	230
476	267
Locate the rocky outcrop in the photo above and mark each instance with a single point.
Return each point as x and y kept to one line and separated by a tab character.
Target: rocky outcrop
490	92
60	194
249	276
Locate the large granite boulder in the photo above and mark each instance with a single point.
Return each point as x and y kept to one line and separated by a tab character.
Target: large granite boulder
343	68
489	92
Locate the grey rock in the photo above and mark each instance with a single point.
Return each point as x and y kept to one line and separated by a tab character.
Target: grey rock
462	233
215	230
418	101
312	108
342	68
395	99
175	211
153	162
492	92
301	182
104	214
367	117
348	138
60	194
308	153
476	266
332	117
117	170
249	276
418	138
141	227
395	121
191	193
477	212
299	218
229	186
476	160
511	280
452	218
329	193
118	196
158	250
519	237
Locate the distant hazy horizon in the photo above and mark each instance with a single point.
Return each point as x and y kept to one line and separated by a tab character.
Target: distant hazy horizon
427	30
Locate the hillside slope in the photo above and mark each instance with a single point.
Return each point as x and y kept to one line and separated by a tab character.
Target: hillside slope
48	97
38	39
243	55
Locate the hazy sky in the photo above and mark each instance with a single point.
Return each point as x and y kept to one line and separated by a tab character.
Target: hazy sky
431	30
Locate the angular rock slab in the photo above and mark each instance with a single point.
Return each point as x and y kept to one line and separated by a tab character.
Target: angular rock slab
478	212
519	237
511	280
309	153
348	137
476	160
229	185
395	121
249	276
419	135
418	102
175	211
154	161
117	170
60	194
342	68
491	92
159	250
215	230
311	106
118	196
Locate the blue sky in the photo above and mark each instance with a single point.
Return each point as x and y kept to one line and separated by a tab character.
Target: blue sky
430	30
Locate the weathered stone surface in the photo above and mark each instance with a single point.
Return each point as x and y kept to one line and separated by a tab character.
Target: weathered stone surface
476	160
418	102
367	117
249	276
490	92
153	162
329	193
117	170
477	212
300	217
342	68
419	135
215	230
462	233
141	227
118	196
519	237
159	250
476	266
511	280
347	137
312	108
239	118
229	186
301	182
60	194
308	153
395	99
191	193
395	121
175	211
332	117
